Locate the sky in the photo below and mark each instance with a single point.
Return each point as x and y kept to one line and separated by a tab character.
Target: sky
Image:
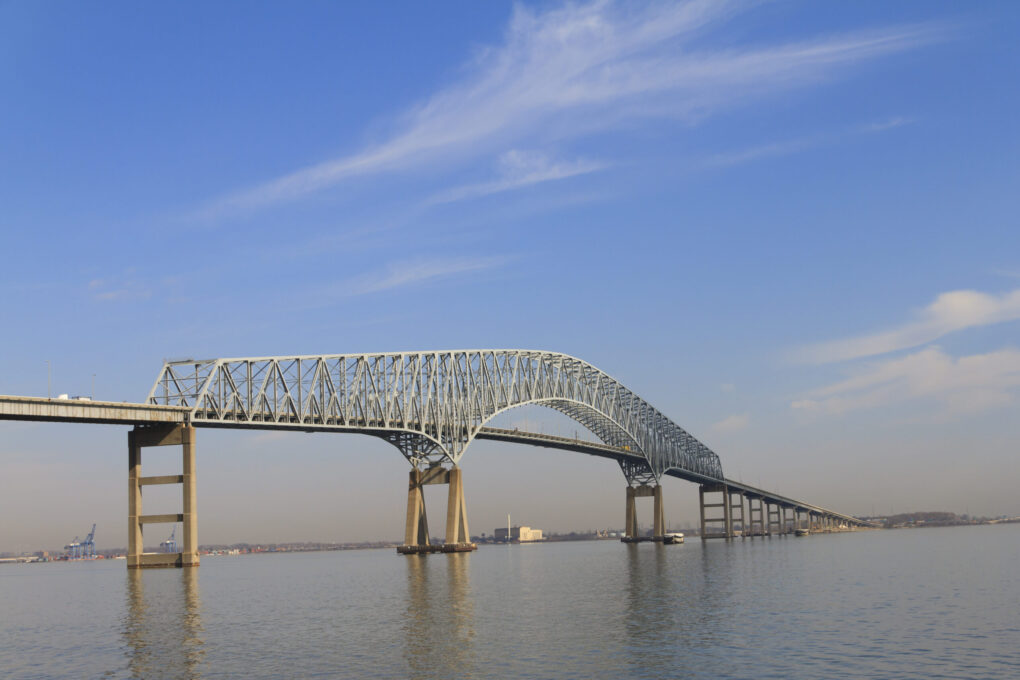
790	226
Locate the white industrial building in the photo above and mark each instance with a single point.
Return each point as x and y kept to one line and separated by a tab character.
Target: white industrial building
519	534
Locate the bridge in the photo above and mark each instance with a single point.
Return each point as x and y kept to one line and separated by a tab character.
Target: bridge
430	406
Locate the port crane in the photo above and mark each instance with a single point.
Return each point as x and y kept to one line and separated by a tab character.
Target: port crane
88	546
170	544
73	549
82	550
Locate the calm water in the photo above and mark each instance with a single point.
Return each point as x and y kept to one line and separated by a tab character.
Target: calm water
934	603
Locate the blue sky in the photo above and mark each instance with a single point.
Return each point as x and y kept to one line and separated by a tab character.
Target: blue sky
789	225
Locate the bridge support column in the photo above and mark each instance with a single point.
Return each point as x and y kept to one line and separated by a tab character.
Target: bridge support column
728	512
775	524
630	518
756	517
457	535
416	528
707	531
170	435
739	505
659	523
631	534
701	505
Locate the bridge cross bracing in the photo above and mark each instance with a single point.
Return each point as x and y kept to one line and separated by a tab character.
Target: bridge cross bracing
431	406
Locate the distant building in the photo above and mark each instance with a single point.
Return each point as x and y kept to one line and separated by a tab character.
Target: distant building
520	534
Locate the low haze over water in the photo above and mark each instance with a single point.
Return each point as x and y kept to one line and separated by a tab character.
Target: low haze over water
928	603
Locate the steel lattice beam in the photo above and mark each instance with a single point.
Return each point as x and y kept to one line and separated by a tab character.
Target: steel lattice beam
431	405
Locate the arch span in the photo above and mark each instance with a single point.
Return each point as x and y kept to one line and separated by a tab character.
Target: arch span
430	404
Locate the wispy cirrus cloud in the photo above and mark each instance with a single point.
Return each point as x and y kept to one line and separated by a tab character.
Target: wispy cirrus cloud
887	124
754	153
960	385
582	68
408	273
950	312
791	146
518	169
733	423
118	288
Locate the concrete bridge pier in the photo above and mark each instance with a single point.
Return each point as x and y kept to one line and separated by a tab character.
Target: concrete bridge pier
732	505
706	519
739	506
774	522
162	435
416	528
756	516
630	518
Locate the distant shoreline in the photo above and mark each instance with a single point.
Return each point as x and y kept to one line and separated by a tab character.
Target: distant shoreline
218	550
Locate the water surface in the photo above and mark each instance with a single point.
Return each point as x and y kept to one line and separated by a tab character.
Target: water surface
928	603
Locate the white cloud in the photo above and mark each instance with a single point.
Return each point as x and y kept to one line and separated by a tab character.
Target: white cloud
520	169
967	384
411	272
888	124
118	288
754	153
732	423
791	146
952	311
581	68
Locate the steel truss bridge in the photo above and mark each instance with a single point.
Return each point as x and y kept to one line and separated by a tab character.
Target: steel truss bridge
430	406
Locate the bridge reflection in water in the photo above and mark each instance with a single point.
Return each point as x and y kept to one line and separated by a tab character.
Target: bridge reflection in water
163	624
439	627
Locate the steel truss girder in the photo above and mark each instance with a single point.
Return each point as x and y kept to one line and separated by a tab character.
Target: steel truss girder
430	405
421	452
638	473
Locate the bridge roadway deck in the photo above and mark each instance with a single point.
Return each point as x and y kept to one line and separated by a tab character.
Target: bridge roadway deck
127	413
